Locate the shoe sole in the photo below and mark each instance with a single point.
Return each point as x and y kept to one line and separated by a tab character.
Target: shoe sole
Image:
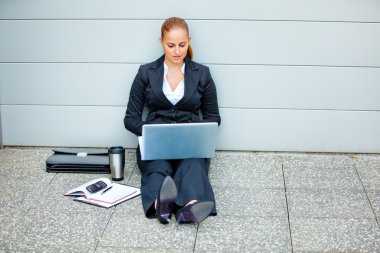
197	213
168	195
168	191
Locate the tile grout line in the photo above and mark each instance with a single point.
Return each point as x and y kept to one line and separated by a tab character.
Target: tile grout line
97	244
49	184
114	209
195	239
130	176
365	191
52	179
287	208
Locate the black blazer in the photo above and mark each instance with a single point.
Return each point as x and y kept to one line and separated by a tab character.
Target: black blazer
199	96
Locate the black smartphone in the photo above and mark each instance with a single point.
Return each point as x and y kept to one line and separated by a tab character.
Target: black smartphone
100	185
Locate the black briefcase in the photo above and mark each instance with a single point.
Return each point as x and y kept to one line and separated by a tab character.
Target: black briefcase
78	160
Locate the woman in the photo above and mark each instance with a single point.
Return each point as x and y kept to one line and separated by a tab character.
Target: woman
175	89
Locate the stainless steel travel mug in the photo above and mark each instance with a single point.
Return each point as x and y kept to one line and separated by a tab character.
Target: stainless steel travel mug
117	162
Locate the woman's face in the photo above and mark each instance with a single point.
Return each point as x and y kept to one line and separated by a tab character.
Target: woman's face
175	44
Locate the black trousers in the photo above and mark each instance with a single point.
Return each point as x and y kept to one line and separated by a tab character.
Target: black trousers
189	175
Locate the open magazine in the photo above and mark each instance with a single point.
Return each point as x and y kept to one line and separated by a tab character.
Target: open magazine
102	192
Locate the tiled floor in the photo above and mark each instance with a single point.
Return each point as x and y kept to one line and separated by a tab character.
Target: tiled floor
267	202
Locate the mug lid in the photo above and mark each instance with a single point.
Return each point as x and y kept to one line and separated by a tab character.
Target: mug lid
116	150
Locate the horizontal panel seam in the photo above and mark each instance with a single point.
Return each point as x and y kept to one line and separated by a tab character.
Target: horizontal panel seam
206	63
189	19
234	108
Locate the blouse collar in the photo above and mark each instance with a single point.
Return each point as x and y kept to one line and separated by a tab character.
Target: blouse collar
182	68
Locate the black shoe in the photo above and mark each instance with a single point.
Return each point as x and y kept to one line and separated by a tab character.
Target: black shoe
195	212
165	200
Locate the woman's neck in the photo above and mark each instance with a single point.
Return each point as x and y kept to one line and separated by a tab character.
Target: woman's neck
174	66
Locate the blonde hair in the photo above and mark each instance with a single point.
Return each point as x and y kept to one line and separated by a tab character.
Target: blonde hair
175	23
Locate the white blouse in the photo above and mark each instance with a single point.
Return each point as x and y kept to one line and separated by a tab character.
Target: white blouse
177	94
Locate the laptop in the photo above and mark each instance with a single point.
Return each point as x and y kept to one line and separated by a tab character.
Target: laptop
178	141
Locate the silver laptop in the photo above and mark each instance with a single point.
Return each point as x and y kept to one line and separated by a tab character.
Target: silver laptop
178	141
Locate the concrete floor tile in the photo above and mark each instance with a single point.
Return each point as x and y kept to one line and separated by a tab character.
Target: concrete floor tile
247	154
230	159
130	155
24	157
9	218
368	167
335	235
370	177
130	163
58	228
53	199
20	193
24	164
246	171
36	217
250	202
136	231
243	234
27	174
308	177
321	161
328	203
132	207
365	161
67	181
41	248
135	178
374	197
127	249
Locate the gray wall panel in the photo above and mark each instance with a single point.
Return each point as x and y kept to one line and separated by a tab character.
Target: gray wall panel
300	130
1	128
1	108
65	126
331	10
276	130
66	83
297	87
246	42
292	75
247	86
287	43
79	41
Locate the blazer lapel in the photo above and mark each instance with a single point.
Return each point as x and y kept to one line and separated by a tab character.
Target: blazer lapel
156	75
192	76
